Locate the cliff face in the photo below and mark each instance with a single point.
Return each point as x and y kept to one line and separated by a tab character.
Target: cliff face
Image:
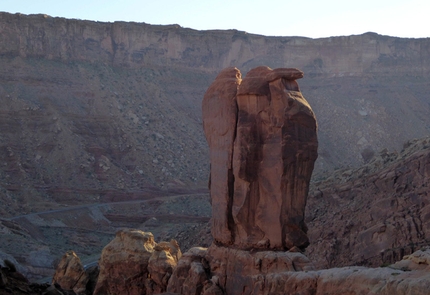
140	44
116	106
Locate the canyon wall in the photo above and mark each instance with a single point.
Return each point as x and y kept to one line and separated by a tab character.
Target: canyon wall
139	44
96	112
117	105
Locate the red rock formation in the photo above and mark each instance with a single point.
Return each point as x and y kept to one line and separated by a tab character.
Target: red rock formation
373	215
235	270
191	275
70	274
262	156
240	272
397	181
133	263
161	265
124	263
219	110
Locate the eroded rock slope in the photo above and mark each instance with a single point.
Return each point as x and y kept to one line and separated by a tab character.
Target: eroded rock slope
375	214
108	107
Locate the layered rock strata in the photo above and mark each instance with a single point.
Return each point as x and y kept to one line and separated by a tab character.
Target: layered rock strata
263	144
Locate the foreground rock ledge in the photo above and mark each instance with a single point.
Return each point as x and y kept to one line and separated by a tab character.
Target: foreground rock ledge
268	272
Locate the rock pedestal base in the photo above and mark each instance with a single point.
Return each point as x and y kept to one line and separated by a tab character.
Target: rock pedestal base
239	271
223	270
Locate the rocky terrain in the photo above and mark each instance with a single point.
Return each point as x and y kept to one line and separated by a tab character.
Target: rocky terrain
91	110
36	242
228	270
95	113
165	268
372	215
369	216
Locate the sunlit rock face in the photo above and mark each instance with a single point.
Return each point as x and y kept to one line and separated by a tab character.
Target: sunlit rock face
262	136
133	263
70	274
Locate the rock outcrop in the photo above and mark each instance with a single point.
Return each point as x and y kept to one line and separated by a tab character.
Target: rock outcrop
161	265
242	272
133	263
13	282
262	136
373	215
92	96
235	270
419	260
263	145
70	274
192	274
251	174
85	106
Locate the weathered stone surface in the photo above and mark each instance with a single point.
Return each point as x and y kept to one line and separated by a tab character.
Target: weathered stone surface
373	215
241	272
70	274
419	260
192	275
161	265
219	111
124	263
133	263
236	270
262	162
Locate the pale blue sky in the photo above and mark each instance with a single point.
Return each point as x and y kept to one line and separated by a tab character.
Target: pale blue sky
308	18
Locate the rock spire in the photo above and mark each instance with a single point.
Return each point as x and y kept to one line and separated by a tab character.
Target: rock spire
262	136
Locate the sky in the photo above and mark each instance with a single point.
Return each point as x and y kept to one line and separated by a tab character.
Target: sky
307	18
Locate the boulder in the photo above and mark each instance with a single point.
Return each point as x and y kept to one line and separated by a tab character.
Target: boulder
133	263
192	275
162	263
124	263
70	274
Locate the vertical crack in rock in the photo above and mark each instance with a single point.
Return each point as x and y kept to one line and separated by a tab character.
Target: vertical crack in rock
263	144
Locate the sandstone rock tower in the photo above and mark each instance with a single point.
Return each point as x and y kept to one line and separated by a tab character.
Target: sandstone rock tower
262	136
